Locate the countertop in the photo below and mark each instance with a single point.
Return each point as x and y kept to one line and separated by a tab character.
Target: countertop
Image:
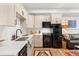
11	48
37	34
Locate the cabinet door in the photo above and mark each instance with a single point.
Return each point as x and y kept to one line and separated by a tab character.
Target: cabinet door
56	18
38	21
7	14
46	18
30	21
12	15
30	47
21	10
38	42
24	13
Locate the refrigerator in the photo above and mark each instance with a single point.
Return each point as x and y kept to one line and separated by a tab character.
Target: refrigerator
56	35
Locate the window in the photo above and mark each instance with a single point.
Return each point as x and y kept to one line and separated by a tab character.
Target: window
72	23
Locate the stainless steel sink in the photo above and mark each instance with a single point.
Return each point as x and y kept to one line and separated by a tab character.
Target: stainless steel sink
2	40
22	39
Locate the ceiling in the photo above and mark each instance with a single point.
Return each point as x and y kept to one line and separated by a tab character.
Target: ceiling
43	8
32	6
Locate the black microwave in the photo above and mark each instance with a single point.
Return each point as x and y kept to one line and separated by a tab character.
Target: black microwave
46	24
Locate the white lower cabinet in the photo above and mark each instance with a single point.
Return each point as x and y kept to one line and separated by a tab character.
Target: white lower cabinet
27	50
38	41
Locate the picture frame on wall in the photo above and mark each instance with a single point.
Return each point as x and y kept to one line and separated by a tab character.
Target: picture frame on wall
72	23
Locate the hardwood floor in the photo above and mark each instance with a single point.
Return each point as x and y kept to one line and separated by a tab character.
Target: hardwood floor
55	52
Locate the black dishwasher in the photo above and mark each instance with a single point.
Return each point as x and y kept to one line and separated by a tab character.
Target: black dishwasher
23	51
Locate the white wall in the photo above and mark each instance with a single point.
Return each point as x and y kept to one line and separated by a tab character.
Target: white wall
73	30
67	17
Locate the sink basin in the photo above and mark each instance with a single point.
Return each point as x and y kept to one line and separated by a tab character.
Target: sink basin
2	40
25	35
22	39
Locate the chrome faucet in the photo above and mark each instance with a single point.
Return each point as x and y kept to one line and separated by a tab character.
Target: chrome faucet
17	31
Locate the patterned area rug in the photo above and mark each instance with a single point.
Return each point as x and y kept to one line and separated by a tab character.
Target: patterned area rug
72	53
42	53
54	52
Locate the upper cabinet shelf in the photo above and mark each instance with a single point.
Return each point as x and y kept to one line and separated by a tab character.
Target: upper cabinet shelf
8	13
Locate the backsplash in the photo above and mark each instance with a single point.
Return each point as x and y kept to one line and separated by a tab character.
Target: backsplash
7	32
69	30
33	30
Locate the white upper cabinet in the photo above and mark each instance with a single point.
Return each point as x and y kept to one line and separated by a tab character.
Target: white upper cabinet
7	14
18	8
46	18
21	10
39	19
56	18
30	21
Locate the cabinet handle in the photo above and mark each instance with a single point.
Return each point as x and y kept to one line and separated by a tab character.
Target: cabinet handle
22	13
15	22
29	44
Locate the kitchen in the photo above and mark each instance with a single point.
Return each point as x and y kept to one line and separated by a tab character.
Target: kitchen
28	29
